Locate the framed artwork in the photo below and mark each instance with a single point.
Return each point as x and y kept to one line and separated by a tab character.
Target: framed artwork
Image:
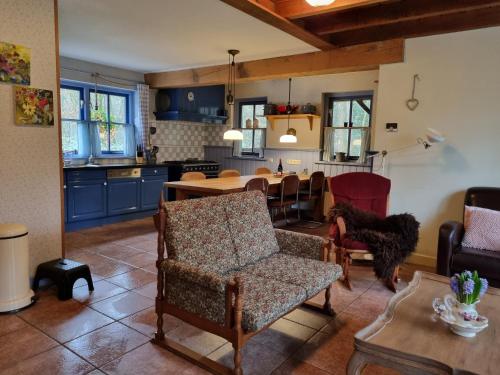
34	106
15	63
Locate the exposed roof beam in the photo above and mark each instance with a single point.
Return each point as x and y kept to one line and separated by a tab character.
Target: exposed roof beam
258	9
392	13
355	58
293	9
458	21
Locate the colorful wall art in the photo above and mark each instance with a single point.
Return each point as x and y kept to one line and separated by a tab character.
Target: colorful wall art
34	106
15	63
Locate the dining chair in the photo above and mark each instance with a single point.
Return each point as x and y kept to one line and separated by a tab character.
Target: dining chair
229	173
263	170
258	183
288	195
314	191
193	176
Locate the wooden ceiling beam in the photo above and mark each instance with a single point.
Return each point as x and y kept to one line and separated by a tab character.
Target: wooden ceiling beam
460	21
392	13
340	60
294	9
263	11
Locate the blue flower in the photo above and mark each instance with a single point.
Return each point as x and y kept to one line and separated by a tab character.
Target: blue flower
484	286
467	274
454	284
468	287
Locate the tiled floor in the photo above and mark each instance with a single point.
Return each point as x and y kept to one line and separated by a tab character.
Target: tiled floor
108	331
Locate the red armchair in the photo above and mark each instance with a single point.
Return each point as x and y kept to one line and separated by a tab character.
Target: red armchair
365	191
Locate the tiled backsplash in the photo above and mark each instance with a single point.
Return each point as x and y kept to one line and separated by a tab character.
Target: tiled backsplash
179	140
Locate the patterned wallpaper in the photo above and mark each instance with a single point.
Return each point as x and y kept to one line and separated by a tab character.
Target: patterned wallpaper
29	172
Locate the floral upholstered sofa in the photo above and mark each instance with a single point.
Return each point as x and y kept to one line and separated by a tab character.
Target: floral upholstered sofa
228	271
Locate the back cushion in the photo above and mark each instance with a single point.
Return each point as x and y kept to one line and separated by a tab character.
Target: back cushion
197	233
250	226
482	228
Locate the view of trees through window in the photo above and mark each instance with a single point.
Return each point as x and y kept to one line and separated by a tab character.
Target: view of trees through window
251	114
111	113
71	102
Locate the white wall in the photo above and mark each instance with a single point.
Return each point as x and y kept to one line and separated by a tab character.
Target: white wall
29	171
458	94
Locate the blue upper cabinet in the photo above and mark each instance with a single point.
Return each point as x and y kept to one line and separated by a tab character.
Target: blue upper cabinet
196	104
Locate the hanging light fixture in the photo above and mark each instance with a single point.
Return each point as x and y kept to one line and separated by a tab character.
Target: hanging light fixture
291	134
319	3
232	134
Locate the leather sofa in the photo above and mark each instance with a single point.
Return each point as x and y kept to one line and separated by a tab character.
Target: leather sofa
453	257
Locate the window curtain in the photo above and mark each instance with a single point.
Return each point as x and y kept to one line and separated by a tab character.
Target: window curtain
95	144
142	115
129	149
327	144
84	144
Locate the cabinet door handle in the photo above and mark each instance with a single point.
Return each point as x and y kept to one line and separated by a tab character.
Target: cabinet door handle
105	183
142	180
64	186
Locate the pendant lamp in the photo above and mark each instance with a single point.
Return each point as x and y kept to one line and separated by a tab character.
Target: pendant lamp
232	134
319	3
291	135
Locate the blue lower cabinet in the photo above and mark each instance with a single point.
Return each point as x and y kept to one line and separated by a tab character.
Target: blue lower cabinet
124	196
150	191
86	200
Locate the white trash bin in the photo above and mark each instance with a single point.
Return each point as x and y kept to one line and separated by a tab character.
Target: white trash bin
15	292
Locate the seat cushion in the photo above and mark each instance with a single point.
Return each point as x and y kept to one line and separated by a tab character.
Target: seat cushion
354	245
198	233
250	226
486	262
310	274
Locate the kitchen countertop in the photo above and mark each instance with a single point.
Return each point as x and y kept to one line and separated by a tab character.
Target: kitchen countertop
116	166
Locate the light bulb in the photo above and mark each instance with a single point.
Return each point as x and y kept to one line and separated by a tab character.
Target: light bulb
233	135
319	3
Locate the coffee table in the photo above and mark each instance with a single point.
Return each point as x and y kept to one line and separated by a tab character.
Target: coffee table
408	337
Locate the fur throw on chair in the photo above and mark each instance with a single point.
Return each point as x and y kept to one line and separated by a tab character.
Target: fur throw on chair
390	240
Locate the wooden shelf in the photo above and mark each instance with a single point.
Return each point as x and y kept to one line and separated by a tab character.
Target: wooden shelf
293	116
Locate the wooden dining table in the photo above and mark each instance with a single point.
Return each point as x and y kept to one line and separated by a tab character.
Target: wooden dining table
225	185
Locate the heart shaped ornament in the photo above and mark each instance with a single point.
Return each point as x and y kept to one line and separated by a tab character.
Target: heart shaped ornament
412	104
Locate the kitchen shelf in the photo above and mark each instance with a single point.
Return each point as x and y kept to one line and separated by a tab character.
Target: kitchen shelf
293	116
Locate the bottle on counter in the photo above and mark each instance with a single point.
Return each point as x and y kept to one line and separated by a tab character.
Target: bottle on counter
280	168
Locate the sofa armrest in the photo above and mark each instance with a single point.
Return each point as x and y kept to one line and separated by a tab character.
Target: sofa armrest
195	275
301	245
449	241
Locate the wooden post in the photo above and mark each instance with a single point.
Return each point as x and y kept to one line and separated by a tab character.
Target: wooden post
160	221
237	329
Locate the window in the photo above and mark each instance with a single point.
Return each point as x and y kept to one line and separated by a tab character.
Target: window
347	127
71	114
253	124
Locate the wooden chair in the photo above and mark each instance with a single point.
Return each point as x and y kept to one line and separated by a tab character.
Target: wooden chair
229	173
315	189
288	196
193	176
365	191
259	183
263	170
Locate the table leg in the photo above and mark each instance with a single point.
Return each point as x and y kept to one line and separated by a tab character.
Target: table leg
180	194
356	364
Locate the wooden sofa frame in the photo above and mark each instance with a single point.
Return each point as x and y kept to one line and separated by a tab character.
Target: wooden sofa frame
232	329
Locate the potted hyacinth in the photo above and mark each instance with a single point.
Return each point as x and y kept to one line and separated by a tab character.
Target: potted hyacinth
468	288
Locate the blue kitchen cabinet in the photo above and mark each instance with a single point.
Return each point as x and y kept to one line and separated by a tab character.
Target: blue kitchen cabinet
150	191
124	195
86	199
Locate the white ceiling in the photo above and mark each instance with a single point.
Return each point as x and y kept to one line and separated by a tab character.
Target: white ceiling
160	35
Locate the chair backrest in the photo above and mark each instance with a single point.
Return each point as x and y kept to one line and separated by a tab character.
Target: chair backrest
317	183
229	173
366	191
258	183
263	170
485	197
289	187
193	176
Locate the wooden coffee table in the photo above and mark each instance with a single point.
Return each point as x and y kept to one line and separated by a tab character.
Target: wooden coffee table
409	338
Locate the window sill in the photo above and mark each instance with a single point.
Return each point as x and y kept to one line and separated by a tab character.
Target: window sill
348	163
246	158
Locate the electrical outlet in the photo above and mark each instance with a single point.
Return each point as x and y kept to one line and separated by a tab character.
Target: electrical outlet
293	162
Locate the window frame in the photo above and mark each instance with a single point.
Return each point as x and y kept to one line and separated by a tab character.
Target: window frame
352	97
251	101
81	91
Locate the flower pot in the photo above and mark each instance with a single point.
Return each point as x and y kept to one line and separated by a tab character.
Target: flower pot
465	311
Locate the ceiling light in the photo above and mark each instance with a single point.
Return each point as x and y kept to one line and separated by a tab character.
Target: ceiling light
233	135
319	3
231	81
291	134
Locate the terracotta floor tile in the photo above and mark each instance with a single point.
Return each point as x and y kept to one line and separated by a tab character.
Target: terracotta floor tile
257	359
150	268
63	320
294	367
133	279
102	266
122	305
200	341
150	246
22	344
149	290
145	322
141	259
59	361
102	290
341	297
96	372
82	282
308	318
116	252
106	344
284	336
150	359
10	323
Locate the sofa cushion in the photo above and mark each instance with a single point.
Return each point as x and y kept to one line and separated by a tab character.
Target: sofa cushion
250	226
482	228
197	232
309	274
487	263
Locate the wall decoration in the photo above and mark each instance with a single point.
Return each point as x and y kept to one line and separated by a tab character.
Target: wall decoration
14	64
34	106
413	102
